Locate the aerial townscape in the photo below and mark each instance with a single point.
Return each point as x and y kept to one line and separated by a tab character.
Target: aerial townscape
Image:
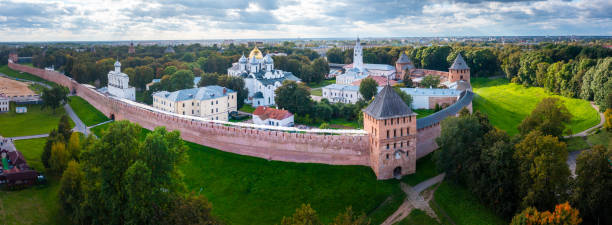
306	112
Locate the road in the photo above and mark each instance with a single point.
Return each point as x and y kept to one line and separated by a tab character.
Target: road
602	120
414	200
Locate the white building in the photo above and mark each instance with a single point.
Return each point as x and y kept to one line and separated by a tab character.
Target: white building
358	70
260	77
427	98
118	84
341	93
4	104
211	102
271	116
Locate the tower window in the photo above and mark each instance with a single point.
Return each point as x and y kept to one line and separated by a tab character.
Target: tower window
387	133
387	146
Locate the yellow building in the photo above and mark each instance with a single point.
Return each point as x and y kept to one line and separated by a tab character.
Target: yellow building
210	102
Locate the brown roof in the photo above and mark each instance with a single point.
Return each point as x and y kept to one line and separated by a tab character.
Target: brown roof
380	80
264	113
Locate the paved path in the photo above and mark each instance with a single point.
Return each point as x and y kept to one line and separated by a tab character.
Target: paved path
105	122
79	126
29	137
584	133
414	200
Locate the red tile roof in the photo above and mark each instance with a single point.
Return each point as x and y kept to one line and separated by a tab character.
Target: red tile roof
264	113
382	81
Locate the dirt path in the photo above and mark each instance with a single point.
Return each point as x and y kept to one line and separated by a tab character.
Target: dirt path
414	200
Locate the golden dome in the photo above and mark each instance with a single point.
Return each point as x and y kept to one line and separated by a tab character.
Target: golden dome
256	53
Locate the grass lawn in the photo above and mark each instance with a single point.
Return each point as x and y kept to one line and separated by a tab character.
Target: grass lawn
576	144
35	121
36	204
423	112
425	169
507	104
338	123
316	92
240	187
12	73
323	83
601	137
418	217
86	112
463	207
247	108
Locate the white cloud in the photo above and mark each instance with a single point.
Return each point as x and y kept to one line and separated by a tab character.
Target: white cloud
52	20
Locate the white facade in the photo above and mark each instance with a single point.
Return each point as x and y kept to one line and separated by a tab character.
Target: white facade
287	122
4	104
211	102
118	84
260	77
358	70
421	97
358	56
341	93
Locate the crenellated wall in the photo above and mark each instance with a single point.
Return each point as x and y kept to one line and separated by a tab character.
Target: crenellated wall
267	144
272	145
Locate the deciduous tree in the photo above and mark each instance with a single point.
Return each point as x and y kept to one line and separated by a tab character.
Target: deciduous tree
550	117
593	185
368	88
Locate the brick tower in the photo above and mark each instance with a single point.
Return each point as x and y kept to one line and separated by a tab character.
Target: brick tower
402	64
131	50
459	70
391	125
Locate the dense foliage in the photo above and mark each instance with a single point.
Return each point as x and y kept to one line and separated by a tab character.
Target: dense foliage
550	117
54	97
305	215
564	214
120	179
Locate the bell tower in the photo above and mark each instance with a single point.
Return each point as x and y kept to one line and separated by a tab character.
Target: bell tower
391	125
459	70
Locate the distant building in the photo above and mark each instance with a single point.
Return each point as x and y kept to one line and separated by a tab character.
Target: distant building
210	102
260	77
381	81
402	65
341	93
271	116
4	104
132	50
21	109
427	98
169	50
118	84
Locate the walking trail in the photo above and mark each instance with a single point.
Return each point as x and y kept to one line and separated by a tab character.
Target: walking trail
414	200
571	157
79	126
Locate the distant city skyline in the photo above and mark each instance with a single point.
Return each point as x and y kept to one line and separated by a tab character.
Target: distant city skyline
36	20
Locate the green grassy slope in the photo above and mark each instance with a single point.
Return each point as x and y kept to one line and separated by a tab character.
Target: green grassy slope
507	104
463	207
86	112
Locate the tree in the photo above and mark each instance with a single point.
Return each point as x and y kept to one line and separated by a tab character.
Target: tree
169	70
348	217
406	97
59	158
320	68
182	79
368	88
64	129
74	146
137	183
543	173
564	214
304	215
597	82
608	119
54	97
407	80
335	55
430	81
70	193
549	117
593	185
293	97
209	79
190	210
61	135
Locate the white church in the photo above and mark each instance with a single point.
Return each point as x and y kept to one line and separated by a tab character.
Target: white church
118	84
359	70
260	77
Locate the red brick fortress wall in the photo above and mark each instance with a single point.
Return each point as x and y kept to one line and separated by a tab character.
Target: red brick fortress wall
272	145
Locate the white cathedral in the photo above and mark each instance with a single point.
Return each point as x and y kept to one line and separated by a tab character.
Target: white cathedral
118	84
260	77
358	70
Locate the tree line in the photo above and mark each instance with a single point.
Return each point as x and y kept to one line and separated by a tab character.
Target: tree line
528	172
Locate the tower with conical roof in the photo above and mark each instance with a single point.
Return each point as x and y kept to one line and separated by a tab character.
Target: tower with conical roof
392	129
403	64
131	50
459	70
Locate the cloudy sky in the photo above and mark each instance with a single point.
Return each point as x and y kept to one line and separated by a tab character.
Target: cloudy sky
84	20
